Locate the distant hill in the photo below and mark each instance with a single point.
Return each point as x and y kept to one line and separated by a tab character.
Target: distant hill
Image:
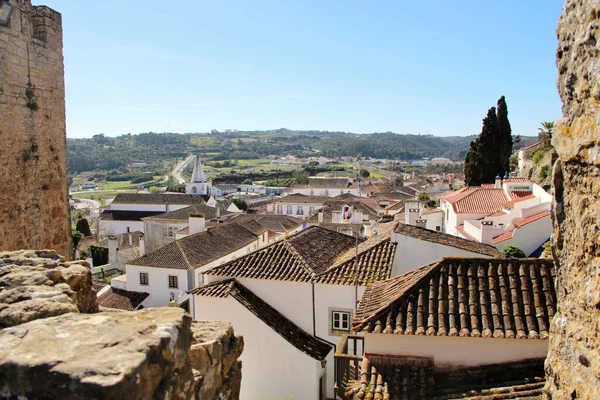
107	153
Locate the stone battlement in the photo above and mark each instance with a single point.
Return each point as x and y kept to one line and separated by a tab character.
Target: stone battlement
55	342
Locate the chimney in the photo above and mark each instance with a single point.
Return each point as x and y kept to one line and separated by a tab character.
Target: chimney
487	232
218	212
320	216
411	215
421	223
498	182
197	223
167	206
112	249
142	246
130	239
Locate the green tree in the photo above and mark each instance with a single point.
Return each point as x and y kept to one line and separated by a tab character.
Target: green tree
83	226
489	154
364	173
424	197
240	203
512	251
247	182
76	238
505	136
300	177
547	130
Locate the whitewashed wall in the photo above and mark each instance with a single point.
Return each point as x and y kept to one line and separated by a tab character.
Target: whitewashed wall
153	234
109	227
305	208
531	236
412	253
325	192
272	367
457	351
158	283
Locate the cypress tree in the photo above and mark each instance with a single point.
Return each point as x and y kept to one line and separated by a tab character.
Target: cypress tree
488	148
473	165
505	136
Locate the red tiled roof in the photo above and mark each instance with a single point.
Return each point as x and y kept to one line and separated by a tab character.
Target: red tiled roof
517	179
463	231
518	197
121	299
500	298
498	214
477	200
528	220
505	236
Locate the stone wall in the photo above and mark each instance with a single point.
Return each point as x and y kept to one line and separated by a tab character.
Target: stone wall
55	345
33	153
573	363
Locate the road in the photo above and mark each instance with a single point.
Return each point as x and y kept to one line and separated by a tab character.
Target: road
179	167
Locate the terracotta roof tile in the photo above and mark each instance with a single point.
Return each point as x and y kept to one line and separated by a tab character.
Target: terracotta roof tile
315	255
298	198
528	220
517	197
201	248
157	198
331	183
271	222
505	236
118	215
464	297
183	213
447	240
477	200
123	240
310	345
121	299
387	377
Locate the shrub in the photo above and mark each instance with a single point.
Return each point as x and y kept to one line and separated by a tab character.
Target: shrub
512	251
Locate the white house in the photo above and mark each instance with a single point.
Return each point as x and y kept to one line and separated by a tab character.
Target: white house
292	362
456	328
122	248
419	246
162	229
125	212
169	272
346	216
313	280
223	189
298	205
328	187
198	185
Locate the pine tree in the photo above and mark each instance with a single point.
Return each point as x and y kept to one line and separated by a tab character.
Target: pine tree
505	132
83	226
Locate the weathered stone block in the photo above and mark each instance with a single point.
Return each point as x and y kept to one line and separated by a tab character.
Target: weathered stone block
139	355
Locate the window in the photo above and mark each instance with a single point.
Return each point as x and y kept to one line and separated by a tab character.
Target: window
173	281
311	210
289	210
300	210
340	320
144	278
200	278
279	209
438	228
168	231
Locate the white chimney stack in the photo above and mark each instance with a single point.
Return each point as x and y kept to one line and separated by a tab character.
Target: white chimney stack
320	216
112	249
142	246
487	232
421	223
197	223
498	182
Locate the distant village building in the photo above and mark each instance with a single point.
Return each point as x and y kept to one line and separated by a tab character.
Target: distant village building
278	226
350	217
327	187
122	248
198	184
297	205
162	229
125	212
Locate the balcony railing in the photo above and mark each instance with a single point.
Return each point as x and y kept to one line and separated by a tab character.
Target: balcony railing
348	360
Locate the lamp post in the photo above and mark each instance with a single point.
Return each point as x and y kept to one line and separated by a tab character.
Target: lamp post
5	11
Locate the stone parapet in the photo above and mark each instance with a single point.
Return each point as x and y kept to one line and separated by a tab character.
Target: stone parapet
573	362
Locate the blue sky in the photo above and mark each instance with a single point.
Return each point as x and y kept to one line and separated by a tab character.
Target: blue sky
430	67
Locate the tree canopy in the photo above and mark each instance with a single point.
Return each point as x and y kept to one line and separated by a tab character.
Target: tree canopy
489	154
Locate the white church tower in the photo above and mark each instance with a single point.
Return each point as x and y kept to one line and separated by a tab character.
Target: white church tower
199	184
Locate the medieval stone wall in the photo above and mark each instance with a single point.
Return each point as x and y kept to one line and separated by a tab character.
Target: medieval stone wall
56	345
573	363
34	207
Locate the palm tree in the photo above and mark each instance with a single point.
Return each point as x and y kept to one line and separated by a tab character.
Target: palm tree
547	129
